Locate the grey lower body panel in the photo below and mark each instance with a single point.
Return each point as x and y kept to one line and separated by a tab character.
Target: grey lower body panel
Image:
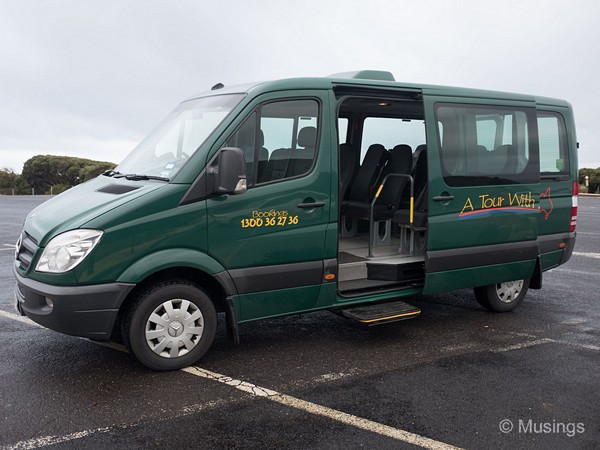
87	311
462	258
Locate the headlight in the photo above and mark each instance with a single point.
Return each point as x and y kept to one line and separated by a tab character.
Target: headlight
67	250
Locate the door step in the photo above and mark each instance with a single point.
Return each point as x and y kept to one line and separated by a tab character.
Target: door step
396	271
382	313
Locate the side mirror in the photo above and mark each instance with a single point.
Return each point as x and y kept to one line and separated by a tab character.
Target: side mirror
228	172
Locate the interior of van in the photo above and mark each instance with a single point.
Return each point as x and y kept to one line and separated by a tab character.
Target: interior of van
383	193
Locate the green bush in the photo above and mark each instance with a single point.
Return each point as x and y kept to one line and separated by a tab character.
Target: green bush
593	179
50	174
43	171
58	189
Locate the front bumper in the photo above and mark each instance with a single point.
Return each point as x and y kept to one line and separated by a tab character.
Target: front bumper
87	311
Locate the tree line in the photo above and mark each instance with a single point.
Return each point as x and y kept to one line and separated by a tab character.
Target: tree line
45	174
593	180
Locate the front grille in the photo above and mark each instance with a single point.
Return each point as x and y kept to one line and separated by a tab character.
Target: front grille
25	251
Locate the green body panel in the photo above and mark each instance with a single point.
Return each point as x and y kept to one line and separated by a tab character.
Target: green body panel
143	229
147	230
463	278
446	229
297	234
143	237
449	228
164	259
260	305
75	207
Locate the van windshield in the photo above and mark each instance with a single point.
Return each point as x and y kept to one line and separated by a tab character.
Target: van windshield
178	137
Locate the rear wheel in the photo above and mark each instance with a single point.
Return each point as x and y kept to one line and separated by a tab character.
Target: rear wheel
502	297
170	326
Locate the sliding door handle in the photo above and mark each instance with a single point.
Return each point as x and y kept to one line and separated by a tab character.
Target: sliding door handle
443	198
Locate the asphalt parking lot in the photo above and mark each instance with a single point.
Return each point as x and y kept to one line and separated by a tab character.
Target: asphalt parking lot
457	376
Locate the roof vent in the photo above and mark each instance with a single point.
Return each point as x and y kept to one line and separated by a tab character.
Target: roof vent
380	75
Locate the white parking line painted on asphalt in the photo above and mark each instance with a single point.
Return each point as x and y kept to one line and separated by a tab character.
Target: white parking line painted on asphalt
521	345
53	440
45	441
579	344
587	255
577	272
323	411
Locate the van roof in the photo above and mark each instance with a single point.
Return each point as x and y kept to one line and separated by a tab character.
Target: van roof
374	79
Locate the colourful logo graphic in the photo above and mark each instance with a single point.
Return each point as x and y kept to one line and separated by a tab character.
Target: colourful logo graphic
486	204
548	205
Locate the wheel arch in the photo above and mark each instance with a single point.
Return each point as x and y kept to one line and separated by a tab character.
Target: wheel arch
180	264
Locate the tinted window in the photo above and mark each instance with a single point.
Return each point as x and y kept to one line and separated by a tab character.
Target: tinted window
279	141
486	145
245	138
554	158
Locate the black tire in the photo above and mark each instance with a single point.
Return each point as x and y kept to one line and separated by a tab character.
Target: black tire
170	326
502	297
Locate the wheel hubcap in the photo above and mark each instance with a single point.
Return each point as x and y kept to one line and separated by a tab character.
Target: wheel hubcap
509	291
174	328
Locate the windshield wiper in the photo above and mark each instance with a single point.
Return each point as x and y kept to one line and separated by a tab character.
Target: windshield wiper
133	176
137	177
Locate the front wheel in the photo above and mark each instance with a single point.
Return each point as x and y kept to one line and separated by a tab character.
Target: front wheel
170	326
502	297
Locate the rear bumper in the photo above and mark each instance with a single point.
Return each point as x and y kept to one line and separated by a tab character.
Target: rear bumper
87	311
568	251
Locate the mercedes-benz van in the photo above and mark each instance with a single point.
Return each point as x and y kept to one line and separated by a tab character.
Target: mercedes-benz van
346	193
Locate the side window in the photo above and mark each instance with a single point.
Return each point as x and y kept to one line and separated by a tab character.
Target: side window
279	140
554	157
391	132
342	130
245	139
486	145
289	131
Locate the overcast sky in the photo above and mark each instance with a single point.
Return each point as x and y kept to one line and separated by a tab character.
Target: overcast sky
92	78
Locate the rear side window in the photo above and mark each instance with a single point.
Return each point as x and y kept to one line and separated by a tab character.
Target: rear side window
481	145
554	157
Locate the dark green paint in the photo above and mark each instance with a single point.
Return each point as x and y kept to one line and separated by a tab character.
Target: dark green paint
148	230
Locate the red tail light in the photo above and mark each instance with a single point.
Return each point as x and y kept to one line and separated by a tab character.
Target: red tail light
573	223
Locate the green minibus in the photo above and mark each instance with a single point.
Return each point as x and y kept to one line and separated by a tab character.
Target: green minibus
348	193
